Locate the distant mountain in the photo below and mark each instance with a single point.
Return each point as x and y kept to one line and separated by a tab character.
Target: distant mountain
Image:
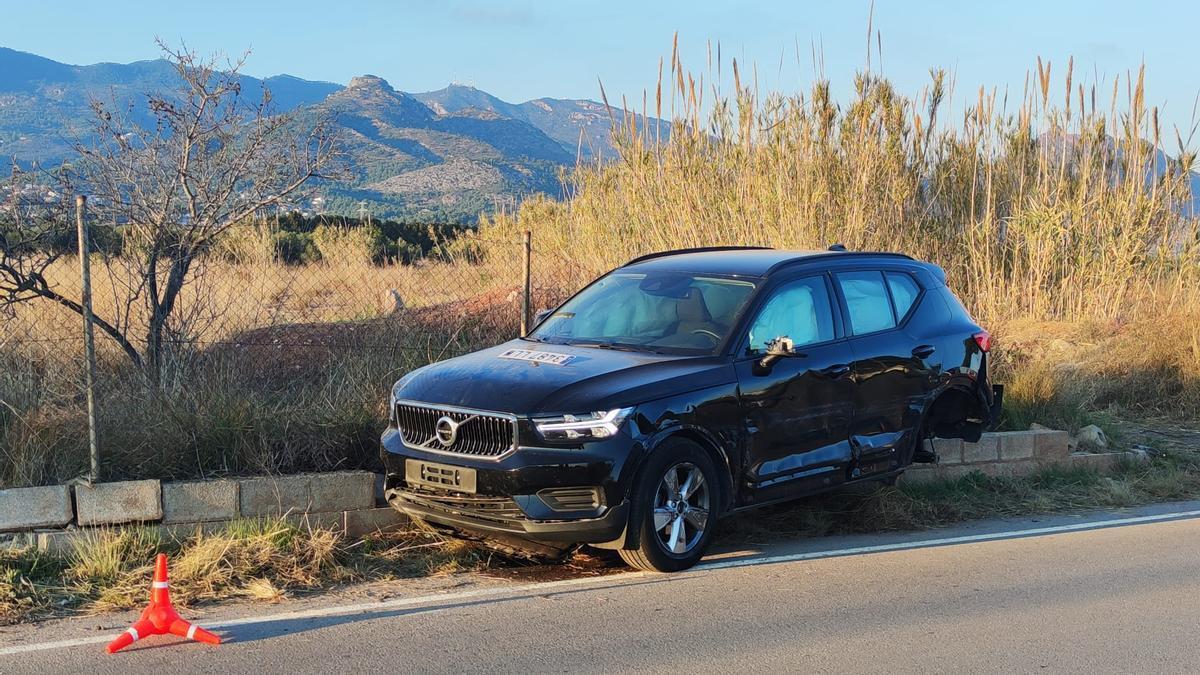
446	154
407	155
44	103
580	125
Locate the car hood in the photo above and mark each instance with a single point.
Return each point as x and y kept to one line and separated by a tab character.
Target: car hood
592	379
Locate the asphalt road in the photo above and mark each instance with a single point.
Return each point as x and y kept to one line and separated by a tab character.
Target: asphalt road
1050	594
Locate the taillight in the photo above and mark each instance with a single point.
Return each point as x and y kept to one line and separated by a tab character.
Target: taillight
984	340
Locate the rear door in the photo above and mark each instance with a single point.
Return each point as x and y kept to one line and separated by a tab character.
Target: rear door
797	413
894	369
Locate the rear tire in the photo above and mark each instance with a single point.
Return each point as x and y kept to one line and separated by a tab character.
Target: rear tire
676	500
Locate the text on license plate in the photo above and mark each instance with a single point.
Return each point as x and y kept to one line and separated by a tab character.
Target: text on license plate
443	476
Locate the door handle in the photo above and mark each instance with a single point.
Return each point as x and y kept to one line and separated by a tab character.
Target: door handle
923	351
835	371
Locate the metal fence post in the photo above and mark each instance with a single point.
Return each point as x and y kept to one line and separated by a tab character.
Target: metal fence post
89	339
527	302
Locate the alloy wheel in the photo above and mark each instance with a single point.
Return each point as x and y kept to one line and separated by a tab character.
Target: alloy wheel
681	508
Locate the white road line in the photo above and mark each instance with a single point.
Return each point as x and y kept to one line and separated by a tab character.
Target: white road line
553	586
964	539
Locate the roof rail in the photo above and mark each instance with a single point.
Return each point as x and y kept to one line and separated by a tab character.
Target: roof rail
700	249
841	254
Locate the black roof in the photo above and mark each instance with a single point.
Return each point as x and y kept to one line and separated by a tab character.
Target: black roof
740	261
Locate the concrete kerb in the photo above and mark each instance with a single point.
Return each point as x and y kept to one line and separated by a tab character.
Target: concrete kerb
1007	454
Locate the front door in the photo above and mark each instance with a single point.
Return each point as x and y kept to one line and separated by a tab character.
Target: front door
798	411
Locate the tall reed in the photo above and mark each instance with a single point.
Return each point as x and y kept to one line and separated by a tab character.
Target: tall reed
1053	206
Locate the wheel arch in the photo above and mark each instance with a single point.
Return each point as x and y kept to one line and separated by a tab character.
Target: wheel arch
713	447
950	410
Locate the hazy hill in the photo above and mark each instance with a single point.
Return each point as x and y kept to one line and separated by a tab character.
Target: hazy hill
577	124
445	154
415	160
44	103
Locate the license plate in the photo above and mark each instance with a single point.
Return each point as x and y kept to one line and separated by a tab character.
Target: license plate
551	358
441	476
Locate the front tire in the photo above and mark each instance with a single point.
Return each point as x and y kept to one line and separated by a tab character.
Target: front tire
677	497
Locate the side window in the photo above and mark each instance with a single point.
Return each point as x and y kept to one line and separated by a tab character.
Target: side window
904	292
867	301
799	310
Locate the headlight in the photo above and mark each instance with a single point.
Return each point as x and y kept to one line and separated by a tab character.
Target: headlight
584	427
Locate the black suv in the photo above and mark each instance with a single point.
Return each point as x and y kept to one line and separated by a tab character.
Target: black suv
684	386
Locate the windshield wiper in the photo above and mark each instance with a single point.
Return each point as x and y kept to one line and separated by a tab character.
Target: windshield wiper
617	346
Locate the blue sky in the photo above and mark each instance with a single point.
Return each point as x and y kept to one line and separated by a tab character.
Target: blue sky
520	49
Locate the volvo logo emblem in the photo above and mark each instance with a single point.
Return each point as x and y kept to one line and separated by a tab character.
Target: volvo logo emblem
447	431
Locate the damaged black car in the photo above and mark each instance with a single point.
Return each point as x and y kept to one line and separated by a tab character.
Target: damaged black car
685	386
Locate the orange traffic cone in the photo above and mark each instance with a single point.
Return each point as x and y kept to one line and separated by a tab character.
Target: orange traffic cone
160	617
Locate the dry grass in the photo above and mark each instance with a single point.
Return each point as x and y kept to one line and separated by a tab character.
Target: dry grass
1175	476
226	299
1056	219
1068	374
261	560
1057	216
1039	207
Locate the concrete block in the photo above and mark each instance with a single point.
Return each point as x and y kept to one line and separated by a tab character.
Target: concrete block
986	450
58	542
1008	469
1102	461
63	542
122	502
275	496
181	532
369	521
928	473
200	501
342	491
27	508
956	471
18	540
949	450
1016	445
326	520
919	474
1051	446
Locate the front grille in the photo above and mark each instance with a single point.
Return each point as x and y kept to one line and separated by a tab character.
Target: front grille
469	432
500	509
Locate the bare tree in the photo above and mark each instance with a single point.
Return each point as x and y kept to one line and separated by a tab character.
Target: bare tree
212	157
35	222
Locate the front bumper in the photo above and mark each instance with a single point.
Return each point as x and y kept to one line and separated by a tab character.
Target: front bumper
514	494
604	528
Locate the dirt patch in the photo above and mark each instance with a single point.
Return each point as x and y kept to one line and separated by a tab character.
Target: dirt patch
432	332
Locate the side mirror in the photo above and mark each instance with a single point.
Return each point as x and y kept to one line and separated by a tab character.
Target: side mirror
778	348
540	315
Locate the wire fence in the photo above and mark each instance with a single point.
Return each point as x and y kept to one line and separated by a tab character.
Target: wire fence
483	293
257	332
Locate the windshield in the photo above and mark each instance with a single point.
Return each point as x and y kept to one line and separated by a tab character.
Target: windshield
665	312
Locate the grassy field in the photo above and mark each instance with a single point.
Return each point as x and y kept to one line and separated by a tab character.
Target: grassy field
1056	214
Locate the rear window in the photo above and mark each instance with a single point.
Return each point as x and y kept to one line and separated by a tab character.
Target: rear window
904	292
867	301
